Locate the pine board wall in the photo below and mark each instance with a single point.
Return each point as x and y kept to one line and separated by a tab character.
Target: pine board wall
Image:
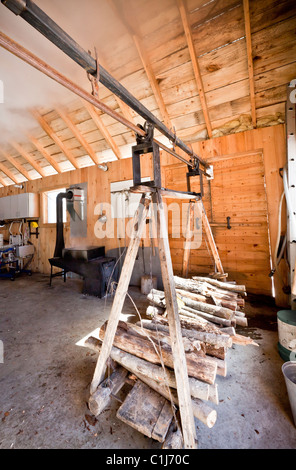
247	188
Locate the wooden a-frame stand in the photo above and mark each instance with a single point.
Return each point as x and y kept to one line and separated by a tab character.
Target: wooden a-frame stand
153	193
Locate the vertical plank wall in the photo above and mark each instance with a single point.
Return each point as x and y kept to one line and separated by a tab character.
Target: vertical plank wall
260	152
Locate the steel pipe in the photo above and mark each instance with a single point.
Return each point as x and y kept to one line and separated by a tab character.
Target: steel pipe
46	26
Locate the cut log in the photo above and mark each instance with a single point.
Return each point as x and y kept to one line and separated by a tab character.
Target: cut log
232	305
101	398
137	366
220	340
221	312
211	349
188	311
243	340
198	367
228	330
189	284
156	335
241	321
154	310
240	289
201	410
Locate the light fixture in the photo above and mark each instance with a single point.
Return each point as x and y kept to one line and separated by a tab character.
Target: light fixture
103	167
102	219
20	186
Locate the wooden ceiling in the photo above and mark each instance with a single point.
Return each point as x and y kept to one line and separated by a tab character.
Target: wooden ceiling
204	67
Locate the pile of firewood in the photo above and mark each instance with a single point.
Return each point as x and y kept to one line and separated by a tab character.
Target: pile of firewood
209	312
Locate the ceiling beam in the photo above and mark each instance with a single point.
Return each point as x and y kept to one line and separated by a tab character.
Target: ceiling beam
45	153
145	62
50	132
81	139
250	60
195	65
103	129
17	165
28	158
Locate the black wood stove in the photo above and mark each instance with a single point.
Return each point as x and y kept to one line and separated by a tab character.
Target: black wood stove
90	262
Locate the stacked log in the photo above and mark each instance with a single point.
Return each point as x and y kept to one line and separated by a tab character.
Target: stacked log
209	312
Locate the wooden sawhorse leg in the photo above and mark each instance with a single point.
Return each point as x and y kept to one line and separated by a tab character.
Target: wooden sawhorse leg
180	366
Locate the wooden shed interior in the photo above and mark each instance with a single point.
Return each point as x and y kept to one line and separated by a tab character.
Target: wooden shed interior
220	75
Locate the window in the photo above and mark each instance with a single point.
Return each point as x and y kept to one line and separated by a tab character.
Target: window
49	206
123	202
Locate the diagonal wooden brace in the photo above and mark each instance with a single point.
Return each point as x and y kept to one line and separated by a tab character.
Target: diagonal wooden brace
139	222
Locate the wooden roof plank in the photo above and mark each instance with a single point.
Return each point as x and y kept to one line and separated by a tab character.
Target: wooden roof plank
28	158
79	136
250	60
49	131
195	65
8	173
17	165
103	129
145	62
45	153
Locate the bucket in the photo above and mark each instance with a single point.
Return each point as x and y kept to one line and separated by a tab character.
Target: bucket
148	283
289	371
286	320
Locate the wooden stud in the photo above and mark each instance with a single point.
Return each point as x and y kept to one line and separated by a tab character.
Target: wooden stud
103	129
17	165
196	69
250	60
45	153
87	147
49	131
29	159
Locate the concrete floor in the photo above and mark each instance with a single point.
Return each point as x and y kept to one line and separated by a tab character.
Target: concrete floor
45	377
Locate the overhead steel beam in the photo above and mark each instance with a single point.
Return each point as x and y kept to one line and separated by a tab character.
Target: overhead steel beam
54	33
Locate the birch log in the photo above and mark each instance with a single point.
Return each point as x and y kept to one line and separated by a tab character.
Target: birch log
138	366
199	367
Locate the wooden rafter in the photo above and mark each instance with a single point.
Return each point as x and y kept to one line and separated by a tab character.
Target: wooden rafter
250	60
81	139
3	182
50	132
45	153
195	64
125	109
17	165
28	158
8	173
103	129
145	62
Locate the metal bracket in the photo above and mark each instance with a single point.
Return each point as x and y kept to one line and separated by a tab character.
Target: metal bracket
146	144
195	171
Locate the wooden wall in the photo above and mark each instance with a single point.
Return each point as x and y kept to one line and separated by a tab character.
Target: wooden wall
247	187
